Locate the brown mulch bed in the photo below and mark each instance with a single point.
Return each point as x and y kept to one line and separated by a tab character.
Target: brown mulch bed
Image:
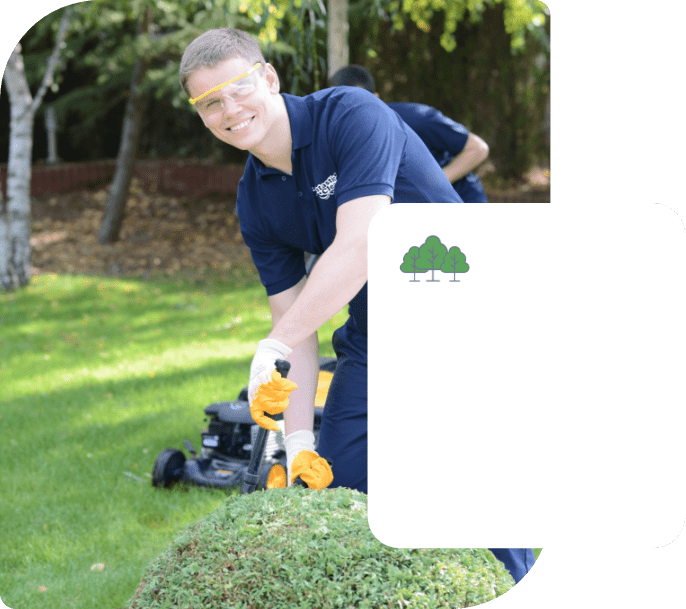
160	235
167	235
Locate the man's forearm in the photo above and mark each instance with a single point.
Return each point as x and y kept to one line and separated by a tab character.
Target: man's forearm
304	362
461	165
340	273
474	153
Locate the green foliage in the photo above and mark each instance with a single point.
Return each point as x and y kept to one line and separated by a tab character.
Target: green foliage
293	547
295	37
494	80
301	25
499	93
431	255
124	31
104	41
482	62
454	262
410	265
519	16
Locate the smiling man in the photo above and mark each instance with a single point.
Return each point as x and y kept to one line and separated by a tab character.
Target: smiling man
320	168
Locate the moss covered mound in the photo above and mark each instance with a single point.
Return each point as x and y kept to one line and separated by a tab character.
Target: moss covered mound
295	548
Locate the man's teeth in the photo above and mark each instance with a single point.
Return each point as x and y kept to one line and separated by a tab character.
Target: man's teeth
240	125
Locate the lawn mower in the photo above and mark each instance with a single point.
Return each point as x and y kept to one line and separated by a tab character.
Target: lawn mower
227	445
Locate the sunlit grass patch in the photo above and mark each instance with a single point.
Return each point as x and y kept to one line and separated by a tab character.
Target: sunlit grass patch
98	375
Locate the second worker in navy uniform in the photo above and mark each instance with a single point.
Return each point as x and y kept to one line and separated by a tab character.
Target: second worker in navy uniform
457	150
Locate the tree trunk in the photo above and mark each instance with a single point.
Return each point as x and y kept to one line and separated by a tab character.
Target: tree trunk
126	157
128	146
15	215
339	54
51	133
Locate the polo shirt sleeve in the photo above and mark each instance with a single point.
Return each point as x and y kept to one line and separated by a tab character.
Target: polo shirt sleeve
363	131
279	265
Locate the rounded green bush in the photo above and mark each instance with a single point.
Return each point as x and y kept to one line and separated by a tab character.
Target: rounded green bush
296	548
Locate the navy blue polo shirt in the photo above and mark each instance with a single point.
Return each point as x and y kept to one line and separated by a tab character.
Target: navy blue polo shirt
445	139
346	144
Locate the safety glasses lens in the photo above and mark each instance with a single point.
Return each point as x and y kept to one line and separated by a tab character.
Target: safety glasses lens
236	91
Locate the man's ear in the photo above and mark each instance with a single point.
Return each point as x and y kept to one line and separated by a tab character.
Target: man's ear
272	78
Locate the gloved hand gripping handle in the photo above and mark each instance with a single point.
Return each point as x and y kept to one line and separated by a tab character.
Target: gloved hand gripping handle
257	452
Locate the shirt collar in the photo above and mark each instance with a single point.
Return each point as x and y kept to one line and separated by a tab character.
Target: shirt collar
300	121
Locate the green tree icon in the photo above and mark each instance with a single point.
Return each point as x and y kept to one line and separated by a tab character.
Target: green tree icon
409	264
454	262
431	256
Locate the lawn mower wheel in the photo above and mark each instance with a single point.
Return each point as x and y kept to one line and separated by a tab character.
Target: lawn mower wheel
168	468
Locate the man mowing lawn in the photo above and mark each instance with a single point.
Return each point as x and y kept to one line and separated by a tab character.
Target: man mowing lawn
320	168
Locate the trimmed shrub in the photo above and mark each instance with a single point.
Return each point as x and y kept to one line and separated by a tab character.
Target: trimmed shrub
296	548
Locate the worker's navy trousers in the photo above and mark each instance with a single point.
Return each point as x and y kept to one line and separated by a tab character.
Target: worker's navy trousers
343	436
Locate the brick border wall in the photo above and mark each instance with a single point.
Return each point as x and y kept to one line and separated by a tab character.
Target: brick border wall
176	178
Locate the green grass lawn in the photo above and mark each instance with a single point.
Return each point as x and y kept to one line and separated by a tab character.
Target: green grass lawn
99	375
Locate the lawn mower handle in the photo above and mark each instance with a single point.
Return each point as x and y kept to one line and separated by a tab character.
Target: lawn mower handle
250	477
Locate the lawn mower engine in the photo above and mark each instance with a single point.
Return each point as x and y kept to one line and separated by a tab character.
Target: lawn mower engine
227	444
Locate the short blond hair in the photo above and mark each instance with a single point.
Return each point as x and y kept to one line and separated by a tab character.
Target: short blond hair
213	47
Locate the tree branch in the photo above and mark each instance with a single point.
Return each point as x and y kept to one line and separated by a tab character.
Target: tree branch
52	61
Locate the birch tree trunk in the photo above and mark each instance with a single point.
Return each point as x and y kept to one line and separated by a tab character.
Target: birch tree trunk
15	213
337	34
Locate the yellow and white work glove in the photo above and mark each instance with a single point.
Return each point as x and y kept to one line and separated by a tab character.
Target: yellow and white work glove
263	363
267	390
272	399
303	462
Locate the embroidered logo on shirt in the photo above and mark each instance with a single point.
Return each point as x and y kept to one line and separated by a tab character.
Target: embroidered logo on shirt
325	189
